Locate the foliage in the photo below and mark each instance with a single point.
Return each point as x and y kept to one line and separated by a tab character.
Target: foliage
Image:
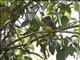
20	29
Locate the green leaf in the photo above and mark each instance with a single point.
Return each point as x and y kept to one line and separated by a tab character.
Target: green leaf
51	49
64	21
76	45
60	54
2	2
68	9
43	49
63	53
25	23
64	7
35	7
28	58
71	50
76	6
18	10
66	42
34	25
50	7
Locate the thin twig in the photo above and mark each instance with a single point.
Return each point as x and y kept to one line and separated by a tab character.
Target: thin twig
41	36
22	38
36	39
69	27
37	54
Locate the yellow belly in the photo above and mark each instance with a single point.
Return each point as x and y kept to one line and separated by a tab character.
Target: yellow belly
49	30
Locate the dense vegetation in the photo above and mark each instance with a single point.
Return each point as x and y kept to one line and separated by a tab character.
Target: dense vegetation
21	29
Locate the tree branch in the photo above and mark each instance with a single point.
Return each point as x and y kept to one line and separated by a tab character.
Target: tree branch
69	27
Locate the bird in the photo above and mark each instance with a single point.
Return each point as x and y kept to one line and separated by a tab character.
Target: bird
49	27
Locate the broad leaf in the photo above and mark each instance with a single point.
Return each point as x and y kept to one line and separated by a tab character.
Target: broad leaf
64	21
60	55
51	49
71	50
64	7
34	25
